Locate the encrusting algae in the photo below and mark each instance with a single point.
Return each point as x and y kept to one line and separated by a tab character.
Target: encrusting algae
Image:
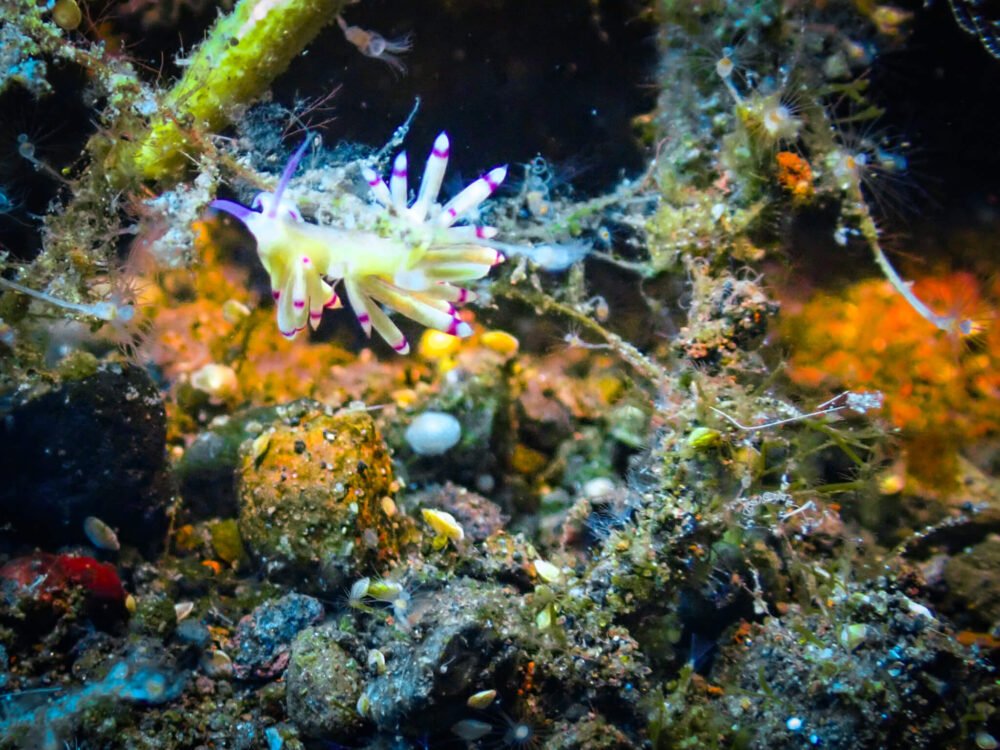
940	391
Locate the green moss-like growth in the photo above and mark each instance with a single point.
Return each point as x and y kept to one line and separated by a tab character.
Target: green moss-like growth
77	365
242	55
324	683
154	616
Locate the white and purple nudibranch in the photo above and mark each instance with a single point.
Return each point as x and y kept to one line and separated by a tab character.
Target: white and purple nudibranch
413	263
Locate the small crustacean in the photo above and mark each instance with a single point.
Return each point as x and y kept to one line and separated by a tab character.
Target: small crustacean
408	262
373	44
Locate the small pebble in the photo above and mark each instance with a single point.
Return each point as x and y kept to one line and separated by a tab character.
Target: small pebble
218	381
193	632
433	433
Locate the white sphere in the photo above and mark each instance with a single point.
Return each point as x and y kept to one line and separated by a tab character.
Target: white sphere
433	433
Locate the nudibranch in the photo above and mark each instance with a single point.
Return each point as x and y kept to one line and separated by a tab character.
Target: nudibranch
413	262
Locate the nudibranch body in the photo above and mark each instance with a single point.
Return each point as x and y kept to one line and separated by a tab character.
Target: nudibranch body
413	260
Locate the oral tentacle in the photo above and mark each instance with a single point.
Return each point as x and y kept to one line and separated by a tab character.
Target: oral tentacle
286	176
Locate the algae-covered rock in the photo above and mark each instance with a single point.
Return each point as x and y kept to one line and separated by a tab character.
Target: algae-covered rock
87	446
852	677
206	471
974	578
476	394
478	516
215	539
324	683
264	636
314	494
425	685
593	732
154	616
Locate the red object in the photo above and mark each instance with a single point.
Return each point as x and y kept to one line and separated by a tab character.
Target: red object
99	579
45	574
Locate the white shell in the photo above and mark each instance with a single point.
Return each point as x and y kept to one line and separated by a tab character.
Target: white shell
433	433
482	699
100	534
547	571
359	590
182	610
471	730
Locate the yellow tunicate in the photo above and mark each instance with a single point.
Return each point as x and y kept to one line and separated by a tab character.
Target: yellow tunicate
218	381
217	664
364	705
376	661
703	438
500	342
435	345
890	19
525	460
404	397
233	311
384	590
891	483
547	571
444	524
545	618
260	445
482	699
67	14
610	387
853	635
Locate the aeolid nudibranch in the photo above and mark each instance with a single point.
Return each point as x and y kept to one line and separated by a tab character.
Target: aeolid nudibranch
414	264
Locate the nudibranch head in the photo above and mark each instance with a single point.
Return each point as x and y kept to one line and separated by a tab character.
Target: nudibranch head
410	258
